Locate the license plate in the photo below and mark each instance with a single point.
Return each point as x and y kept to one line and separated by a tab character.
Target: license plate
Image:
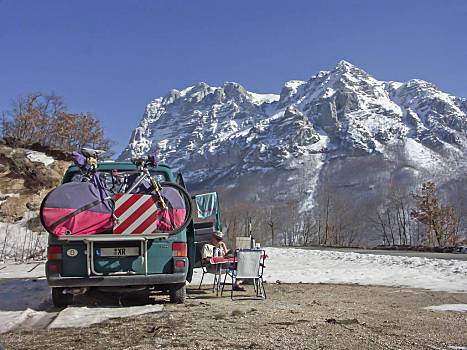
121	251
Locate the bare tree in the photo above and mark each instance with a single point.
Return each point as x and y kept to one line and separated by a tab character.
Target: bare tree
441	221
42	118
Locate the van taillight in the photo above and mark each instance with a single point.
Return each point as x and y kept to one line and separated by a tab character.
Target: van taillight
54	252
178	249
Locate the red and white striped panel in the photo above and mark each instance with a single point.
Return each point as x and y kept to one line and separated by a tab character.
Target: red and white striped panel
135	213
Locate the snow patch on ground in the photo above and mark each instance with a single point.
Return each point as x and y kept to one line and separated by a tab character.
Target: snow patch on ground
22	270
28	303
9	195
39	157
314	266
18	242
4	196
16	319
22	301
74	316
448	307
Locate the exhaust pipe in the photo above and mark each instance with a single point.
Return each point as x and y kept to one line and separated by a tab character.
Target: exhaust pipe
75	291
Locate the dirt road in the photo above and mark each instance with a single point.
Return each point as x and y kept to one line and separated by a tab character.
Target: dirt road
295	316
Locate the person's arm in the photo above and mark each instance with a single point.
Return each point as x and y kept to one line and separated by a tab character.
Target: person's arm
224	247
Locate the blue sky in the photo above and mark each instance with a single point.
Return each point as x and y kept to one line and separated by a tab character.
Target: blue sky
113	57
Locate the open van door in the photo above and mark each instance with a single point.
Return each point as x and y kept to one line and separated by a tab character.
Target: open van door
207	204
190	237
207	219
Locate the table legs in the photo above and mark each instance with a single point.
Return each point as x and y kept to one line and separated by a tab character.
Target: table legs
218	276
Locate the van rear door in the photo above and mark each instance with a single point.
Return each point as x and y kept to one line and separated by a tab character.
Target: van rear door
116	257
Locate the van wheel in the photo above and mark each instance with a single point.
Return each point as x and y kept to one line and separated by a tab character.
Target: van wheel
178	294
61	300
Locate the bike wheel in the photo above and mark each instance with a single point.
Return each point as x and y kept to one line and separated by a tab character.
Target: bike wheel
179	212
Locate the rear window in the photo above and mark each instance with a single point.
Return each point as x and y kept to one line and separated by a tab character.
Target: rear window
118	182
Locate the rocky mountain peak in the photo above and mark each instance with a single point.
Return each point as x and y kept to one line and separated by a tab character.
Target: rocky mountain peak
345	67
235	92
290	91
226	133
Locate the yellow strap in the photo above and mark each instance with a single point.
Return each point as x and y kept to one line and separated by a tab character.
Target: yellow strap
92	161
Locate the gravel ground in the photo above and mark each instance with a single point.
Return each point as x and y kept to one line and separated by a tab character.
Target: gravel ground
295	316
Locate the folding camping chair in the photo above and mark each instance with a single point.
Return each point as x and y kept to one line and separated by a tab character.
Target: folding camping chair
249	266
203	233
208	268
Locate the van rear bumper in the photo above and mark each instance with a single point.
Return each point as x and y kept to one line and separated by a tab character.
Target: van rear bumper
56	280
114	281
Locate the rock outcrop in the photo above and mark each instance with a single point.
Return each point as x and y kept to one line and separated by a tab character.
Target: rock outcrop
26	176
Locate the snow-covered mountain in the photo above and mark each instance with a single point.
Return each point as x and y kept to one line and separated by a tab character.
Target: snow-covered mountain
342	124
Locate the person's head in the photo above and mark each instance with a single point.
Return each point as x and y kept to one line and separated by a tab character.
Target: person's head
216	238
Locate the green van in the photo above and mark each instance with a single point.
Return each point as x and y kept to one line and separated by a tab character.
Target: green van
123	263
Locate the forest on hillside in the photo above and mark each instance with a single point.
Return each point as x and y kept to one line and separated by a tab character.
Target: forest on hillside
397	217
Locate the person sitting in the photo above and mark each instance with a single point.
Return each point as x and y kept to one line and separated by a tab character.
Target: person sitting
217	248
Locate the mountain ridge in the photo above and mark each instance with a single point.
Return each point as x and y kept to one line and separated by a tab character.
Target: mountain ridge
216	135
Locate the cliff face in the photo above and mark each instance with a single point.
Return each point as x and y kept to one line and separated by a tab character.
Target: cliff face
342	126
26	176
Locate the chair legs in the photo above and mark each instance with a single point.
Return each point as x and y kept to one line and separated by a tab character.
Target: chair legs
232	289
201	282
232	283
263	293
258	285
223	284
202	277
259	288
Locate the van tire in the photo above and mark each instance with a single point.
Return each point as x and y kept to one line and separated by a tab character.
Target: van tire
59	299
177	294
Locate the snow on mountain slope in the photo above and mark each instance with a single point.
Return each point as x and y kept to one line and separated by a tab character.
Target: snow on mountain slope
217	135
